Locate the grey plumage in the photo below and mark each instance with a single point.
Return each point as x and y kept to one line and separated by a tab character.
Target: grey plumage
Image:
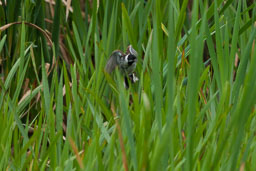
126	63
112	61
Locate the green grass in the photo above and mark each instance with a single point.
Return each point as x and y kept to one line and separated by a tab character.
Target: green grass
193	107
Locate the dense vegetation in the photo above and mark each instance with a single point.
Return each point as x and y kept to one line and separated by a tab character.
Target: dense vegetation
193	107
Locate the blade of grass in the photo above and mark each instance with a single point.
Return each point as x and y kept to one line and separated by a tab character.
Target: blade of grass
156	67
59	115
56	27
123	101
2	42
219	48
234	40
193	82
128	27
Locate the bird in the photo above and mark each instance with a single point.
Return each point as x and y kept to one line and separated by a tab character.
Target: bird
126	63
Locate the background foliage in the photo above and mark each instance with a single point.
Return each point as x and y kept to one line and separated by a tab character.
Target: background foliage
193	107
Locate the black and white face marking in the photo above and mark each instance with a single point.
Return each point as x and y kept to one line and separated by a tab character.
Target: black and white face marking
128	64
131	59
